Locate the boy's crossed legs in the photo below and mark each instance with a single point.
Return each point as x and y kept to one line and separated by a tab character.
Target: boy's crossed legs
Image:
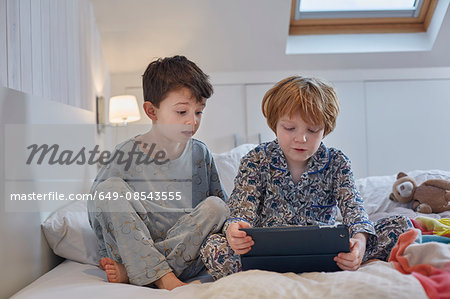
138	233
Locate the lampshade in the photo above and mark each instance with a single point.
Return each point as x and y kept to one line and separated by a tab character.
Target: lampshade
123	109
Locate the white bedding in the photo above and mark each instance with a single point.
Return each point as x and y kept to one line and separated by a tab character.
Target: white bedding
375	191
374	280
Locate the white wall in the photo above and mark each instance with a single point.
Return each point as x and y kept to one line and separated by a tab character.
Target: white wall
51	49
408	125
224	118
375	127
51	69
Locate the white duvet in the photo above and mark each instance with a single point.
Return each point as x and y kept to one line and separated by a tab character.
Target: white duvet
374	280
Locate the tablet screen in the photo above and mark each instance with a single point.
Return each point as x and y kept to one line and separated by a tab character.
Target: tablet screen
298	240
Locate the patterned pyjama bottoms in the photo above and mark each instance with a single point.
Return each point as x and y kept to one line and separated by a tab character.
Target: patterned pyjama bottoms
151	240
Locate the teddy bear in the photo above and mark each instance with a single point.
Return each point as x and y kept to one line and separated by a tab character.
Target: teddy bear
432	196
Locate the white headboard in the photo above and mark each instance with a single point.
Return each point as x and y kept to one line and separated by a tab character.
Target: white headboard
24	253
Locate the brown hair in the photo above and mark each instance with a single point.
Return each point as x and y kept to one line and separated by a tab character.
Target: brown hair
315	100
171	73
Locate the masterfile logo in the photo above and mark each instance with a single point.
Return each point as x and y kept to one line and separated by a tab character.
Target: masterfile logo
68	157
49	165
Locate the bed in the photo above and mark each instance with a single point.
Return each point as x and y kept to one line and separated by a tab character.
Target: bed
69	235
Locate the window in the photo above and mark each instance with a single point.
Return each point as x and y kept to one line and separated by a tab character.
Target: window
357	5
360	16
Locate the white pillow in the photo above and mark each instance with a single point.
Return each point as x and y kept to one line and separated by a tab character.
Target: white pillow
375	190
69	234
228	164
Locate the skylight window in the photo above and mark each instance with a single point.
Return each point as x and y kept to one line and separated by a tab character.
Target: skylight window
360	16
355	5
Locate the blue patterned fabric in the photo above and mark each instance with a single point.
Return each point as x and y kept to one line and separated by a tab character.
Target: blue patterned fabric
265	194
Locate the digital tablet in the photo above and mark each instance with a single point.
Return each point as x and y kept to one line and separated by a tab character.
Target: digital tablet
296	248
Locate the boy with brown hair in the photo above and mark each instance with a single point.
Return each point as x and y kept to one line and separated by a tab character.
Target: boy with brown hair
154	215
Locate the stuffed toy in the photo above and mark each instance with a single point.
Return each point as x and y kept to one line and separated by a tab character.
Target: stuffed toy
432	196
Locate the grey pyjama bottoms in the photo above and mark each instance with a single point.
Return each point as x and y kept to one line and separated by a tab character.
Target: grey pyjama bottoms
150	240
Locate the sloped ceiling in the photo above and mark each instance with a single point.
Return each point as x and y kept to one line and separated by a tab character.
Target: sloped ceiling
228	36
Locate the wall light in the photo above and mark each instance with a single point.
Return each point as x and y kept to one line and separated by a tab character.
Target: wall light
123	109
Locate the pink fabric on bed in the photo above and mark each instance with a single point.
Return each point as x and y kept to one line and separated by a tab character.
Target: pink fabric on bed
430	226
422	229
436	282
437	285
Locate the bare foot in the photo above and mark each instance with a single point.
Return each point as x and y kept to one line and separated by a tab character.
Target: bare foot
169	282
102	263
115	272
